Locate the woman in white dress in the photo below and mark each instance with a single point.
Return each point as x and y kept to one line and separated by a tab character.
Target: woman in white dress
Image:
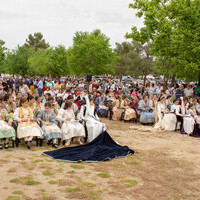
27	128
188	120
89	116
166	120
193	113
70	127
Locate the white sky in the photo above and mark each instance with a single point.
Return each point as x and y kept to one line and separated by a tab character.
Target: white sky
58	20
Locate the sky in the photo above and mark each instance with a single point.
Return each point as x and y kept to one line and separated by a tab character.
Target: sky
58	20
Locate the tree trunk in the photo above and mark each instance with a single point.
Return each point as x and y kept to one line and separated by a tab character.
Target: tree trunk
173	80
145	77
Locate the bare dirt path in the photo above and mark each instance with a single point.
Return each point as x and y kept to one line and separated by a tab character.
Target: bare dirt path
166	166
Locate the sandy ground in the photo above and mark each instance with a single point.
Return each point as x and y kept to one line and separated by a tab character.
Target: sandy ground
166	166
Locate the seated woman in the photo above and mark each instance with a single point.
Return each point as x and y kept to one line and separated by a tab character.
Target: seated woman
176	109
193	113
166	120
116	109
146	116
54	105
103	110
51	130
31	102
38	105
129	113
6	130
70	127
10	104
89	116
27	128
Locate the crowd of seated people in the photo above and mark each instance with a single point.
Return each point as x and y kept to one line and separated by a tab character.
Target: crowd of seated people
66	110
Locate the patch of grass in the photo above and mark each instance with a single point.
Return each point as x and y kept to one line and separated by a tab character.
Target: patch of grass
45	167
77	166
24	197
8	156
135	163
33	149
129	183
37	161
13	198
71	172
88	184
12	170
18	192
52	182
31	182
31	168
103	175
9	150
23	163
47	197
60	170
15	180
73	189
47	173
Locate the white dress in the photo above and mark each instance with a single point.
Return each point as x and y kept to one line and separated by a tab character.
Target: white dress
93	126
165	121
70	128
26	129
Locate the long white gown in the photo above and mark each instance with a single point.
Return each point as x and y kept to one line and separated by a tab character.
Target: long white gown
93	126
70	128
166	122
26	129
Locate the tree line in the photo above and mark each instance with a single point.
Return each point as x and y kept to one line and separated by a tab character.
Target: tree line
168	44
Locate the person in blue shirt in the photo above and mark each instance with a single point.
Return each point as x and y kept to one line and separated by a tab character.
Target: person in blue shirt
179	92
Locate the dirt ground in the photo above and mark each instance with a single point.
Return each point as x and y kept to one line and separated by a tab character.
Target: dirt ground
166	166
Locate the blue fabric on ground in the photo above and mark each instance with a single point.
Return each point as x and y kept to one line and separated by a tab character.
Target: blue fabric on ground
102	148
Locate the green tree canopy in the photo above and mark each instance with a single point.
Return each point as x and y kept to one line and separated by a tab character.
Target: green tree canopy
133	60
91	53
52	61
173	27
36	41
16	61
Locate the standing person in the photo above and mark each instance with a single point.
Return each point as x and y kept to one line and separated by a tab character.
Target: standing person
197	91
27	128
179	92
32	88
40	87
5	85
188	91
51	130
71	127
89	116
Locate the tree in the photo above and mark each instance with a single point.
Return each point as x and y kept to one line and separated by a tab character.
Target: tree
2	52
172	27
91	53
133	60
36	41
16	61
52	61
